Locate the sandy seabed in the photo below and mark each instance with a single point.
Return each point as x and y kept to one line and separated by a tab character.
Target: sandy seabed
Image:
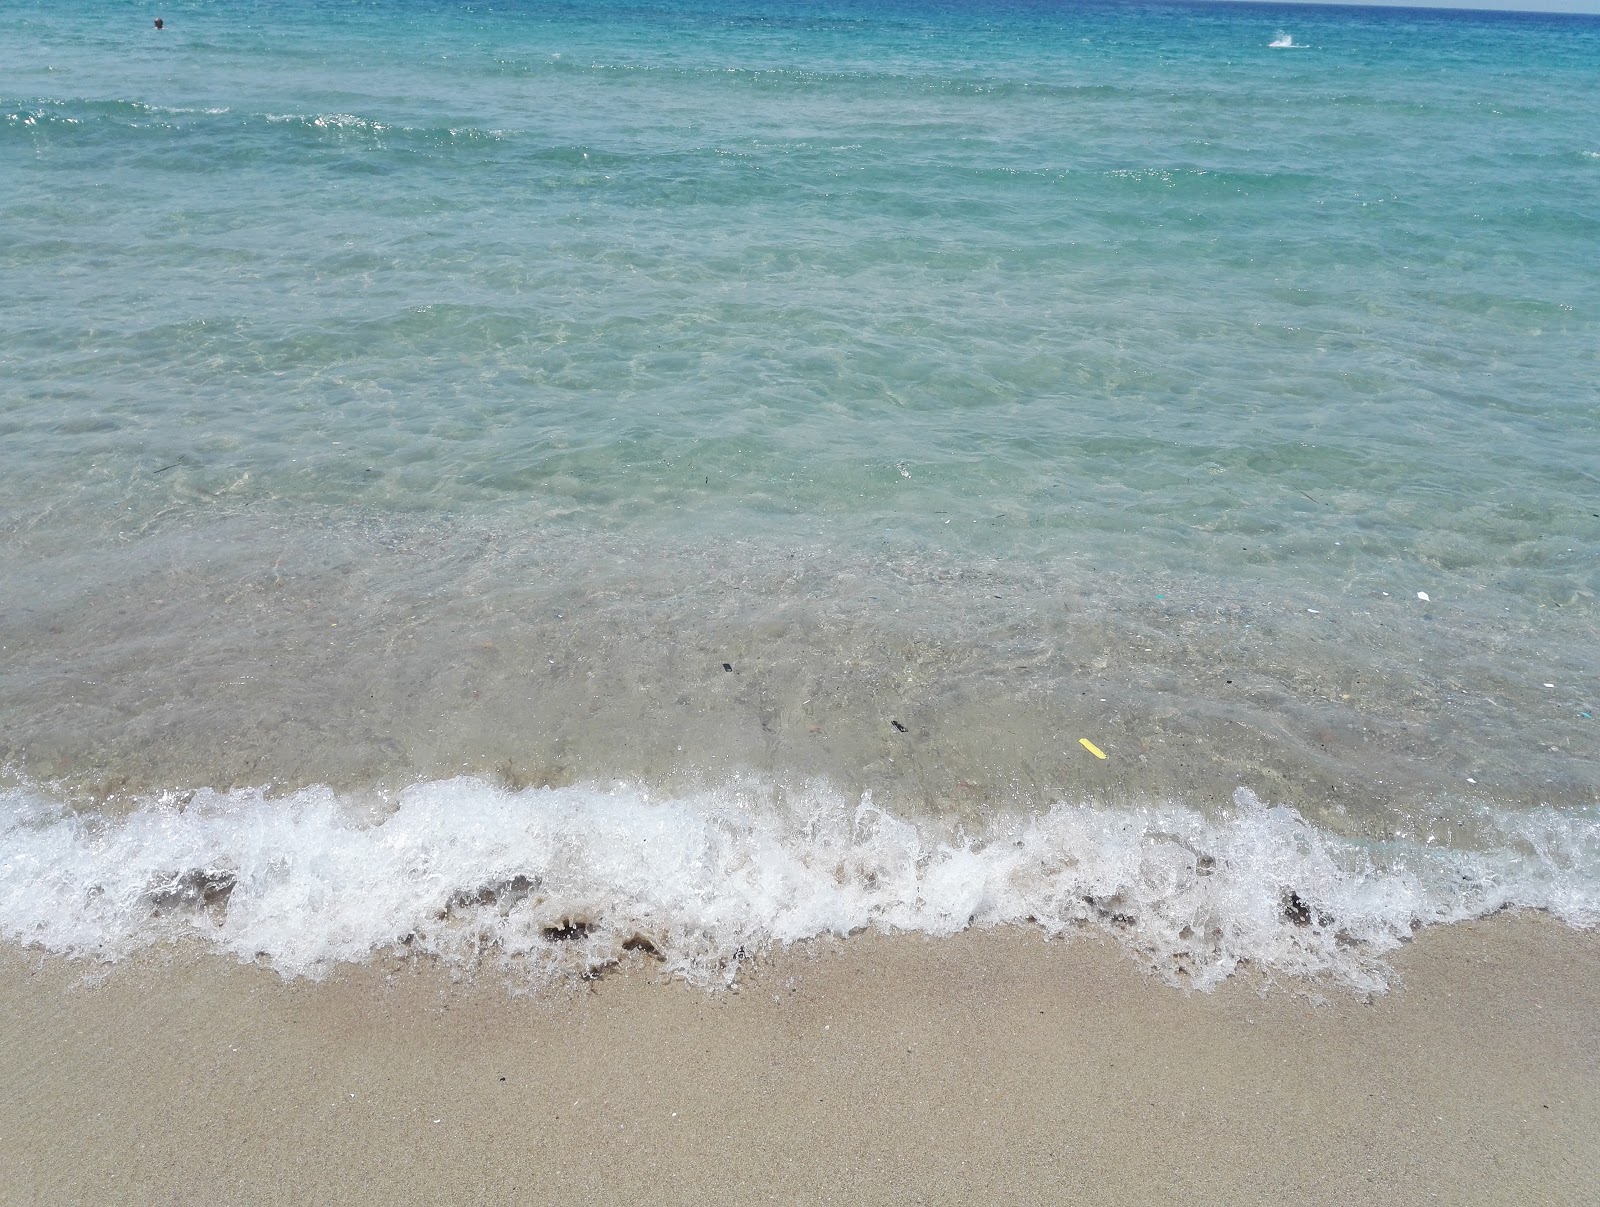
992	1066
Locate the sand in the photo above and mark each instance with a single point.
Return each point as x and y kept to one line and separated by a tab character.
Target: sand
993	1066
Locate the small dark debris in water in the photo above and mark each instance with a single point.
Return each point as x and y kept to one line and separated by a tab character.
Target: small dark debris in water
569	931
165	468
642	944
898	726
727	666
1295	909
1111	909
502	1079
506	892
197	886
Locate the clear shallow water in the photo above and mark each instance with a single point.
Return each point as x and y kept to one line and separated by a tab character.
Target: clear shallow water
407	391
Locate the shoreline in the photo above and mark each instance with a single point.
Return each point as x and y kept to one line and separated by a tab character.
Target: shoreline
230	653
566	882
878	1069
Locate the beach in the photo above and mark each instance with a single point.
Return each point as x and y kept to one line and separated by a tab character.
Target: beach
766	600
989	1066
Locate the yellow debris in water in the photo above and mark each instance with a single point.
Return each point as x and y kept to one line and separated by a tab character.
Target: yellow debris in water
1092	748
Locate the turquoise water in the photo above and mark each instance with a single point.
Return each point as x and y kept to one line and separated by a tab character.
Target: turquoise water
403	391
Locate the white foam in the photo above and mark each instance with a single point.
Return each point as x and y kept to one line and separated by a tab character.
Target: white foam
1283	41
557	881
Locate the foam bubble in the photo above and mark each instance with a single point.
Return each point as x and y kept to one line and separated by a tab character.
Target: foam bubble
553	882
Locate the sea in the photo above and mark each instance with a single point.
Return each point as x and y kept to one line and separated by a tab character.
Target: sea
547	486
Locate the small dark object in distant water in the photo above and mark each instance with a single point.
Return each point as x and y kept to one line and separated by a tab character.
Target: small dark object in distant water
160	24
165	468
898	726
727	666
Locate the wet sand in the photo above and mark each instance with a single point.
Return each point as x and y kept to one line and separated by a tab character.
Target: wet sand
988	1066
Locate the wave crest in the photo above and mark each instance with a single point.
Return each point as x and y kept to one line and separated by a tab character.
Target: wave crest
553	883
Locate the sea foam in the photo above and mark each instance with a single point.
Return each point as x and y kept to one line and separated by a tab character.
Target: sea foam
560	882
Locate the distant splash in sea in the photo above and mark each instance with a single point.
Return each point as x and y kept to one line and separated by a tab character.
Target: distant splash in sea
1283	41
555	884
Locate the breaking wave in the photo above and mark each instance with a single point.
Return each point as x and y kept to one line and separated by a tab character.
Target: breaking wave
551	883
